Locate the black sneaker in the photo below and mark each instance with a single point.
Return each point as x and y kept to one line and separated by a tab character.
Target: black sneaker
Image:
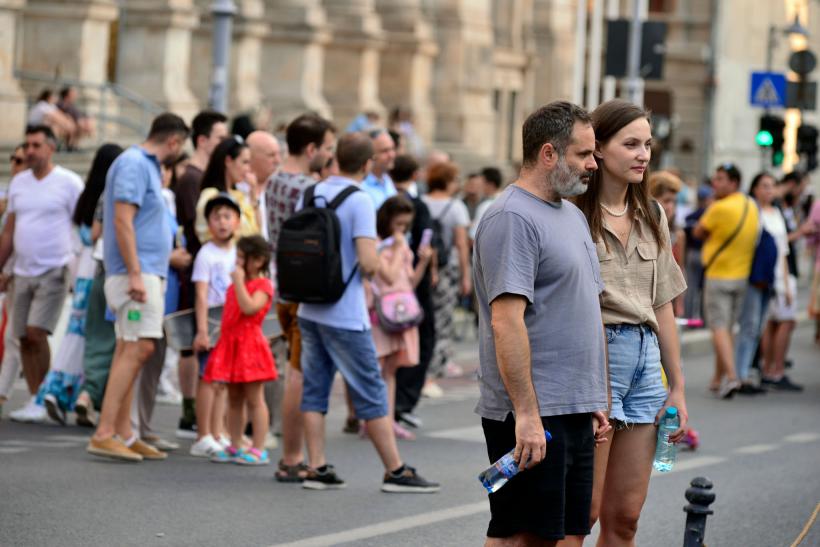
784	384
186	429
768	383
750	389
408	481
410	419
323	478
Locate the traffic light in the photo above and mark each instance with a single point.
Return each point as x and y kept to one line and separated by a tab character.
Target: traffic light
771	135
807	144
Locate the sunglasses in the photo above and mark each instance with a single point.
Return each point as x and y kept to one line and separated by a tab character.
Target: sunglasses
17	161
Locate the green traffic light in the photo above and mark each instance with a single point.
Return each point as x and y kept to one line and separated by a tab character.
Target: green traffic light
764	138
777	158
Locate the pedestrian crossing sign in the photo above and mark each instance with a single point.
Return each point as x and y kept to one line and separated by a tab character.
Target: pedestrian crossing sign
768	90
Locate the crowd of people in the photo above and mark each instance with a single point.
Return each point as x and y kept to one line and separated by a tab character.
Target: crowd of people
577	273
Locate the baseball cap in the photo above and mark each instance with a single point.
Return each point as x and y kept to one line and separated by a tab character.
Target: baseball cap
222	198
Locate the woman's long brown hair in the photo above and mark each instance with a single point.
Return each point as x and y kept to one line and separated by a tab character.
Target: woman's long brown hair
607	120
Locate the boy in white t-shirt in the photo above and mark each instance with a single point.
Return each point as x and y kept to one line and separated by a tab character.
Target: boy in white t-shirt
212	276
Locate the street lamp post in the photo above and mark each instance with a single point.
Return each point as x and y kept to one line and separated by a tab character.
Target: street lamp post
223	12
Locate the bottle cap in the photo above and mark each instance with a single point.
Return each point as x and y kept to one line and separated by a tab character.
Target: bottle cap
548	435
671	411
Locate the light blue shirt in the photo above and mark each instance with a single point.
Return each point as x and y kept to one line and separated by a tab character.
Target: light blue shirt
356	219
379	188
134	178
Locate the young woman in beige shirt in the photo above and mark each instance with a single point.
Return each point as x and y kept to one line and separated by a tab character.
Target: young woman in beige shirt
642	278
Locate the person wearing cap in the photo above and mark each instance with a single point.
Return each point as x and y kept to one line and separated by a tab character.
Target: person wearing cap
212	276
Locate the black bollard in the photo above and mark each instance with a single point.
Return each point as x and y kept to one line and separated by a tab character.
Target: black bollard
700	496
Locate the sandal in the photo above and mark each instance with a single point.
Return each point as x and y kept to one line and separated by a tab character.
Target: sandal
291	473
252	456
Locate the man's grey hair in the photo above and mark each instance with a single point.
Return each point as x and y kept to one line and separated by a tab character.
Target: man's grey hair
552	123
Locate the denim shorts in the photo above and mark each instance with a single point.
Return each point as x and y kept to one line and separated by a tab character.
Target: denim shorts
638	393
328	349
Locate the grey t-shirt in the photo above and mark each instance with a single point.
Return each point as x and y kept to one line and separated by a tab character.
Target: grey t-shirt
542	251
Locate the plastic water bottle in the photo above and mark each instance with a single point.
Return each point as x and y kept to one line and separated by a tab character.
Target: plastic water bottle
497	475
665	451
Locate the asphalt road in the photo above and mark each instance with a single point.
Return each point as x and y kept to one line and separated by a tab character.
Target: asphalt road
762	453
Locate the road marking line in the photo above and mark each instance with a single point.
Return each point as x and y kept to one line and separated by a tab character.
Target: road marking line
473	433
38	444
694	463
390	526
13	450
68	438
756	448
804	437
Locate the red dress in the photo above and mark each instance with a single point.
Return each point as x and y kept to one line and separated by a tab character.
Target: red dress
242	354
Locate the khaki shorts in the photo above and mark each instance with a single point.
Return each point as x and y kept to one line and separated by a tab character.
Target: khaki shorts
722	301
290	329
38	301
145	317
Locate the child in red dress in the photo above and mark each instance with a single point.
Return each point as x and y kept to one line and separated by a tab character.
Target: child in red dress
242	358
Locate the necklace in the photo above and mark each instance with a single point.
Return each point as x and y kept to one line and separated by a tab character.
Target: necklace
608	210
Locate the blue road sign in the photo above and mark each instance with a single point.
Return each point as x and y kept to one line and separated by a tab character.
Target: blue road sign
768	89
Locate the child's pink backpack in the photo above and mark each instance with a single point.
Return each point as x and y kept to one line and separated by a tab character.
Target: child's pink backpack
397	311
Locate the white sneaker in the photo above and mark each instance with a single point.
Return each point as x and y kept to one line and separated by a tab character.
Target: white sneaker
223	441
270	442
205	447
32	413
170	398
432	390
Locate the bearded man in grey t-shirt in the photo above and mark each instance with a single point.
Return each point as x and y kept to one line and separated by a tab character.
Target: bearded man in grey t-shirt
542	349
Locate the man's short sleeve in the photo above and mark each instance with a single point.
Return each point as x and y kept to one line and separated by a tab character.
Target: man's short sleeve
508	251
129	183
364	219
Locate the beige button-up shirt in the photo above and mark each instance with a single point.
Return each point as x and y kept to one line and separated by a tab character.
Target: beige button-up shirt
639	278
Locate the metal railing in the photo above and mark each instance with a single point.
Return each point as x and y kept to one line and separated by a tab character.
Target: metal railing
115	105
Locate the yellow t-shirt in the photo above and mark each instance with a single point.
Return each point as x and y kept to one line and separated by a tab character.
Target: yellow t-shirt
721	220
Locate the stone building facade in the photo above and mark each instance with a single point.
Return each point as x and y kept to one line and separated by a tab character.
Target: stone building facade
470	70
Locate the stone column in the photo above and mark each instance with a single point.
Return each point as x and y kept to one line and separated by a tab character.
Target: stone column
12	100
156	52
406	67
68	38
293	58
352	59
462	90
554	33
243	80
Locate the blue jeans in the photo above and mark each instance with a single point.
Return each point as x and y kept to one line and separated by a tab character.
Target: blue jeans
328	349
638	393
752	316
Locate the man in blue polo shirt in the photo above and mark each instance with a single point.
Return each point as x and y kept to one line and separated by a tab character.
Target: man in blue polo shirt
137	251
378	184
337	336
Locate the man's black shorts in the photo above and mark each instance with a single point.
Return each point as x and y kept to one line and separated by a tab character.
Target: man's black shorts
551	500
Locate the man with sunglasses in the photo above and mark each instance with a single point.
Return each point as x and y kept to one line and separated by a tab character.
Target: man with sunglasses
38	230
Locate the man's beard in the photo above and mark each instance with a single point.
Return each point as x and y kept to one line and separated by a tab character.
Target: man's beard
566	182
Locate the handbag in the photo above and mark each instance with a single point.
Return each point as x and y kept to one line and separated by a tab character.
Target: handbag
398	311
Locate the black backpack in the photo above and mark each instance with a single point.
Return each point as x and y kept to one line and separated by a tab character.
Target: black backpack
441	249
309	252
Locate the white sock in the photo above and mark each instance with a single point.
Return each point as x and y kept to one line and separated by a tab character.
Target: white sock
131	441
